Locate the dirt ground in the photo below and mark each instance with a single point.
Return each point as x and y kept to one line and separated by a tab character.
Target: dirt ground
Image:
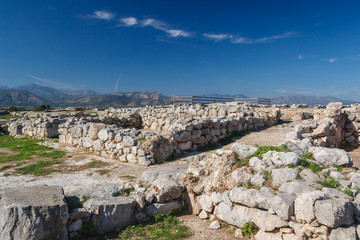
201	231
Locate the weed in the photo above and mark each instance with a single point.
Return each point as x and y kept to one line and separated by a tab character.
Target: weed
129	177
348	192
141	139
291	165
264	149
103	171
6	174
241	162
339	168
95	164
329	182
308	164
85	198
164	227
4	167
267	174
124	192
249	229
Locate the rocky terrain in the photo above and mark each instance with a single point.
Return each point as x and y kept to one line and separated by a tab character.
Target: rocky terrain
237	167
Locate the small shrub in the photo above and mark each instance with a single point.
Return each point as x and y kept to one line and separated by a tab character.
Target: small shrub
141	139
124	192
249	229
348	192
329	182
339	168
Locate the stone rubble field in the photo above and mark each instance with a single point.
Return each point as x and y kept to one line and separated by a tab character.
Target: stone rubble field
305	187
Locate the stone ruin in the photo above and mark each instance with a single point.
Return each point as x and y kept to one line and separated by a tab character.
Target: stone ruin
310	191
142	135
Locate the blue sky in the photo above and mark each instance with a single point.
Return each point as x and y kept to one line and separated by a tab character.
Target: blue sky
257	48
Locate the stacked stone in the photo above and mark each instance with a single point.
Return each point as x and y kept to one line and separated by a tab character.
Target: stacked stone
286	203
107	140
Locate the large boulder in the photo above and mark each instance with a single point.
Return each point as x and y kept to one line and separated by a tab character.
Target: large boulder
243	150
38	212
110	213
252	197
166	190
173	172
331	156
239	215
305	203
282	175
164	208
281	158
296	187
334	213
342	233
283	205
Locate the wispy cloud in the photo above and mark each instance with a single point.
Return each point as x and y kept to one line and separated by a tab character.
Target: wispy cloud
300	57
331	60
246	40
217	37
51	83
129	21
162	26
103	14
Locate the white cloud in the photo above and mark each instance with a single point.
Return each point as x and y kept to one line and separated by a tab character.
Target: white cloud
217	37
162	26
331	60
300	57
245	40
104	15
177	33
129	21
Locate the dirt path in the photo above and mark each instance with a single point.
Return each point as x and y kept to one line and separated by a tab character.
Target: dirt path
272	136
201	231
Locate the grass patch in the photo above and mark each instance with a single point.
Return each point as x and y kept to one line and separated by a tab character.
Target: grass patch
129	177
124	192
9	116
249	229
264	149
348	192
308	164
329	182
141	139
3	168
164	227
241	162
25	149
39	168
95	164
103	171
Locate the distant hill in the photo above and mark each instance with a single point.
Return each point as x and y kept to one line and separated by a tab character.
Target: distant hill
311	100
127	99
48	92
19	98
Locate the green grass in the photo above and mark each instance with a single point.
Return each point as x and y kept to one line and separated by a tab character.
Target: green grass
103	171
264	149
165	227
95	164
308	164
348	192
141	139
249	229
25	149
40	168
9	116
329	182
124	192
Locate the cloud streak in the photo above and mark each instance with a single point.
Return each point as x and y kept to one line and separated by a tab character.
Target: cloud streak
103	15
51	83
246	40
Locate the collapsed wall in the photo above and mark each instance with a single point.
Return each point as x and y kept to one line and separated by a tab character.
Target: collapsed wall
133	134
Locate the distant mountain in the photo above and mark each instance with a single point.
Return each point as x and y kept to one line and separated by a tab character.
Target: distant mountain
224	95
3	87
48	92
127	99
19	98
311	100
